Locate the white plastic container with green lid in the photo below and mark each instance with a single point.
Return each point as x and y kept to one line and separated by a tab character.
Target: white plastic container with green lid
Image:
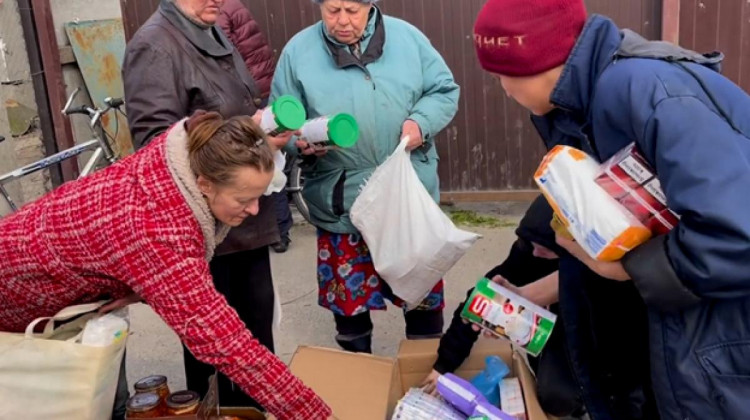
340	130
286	113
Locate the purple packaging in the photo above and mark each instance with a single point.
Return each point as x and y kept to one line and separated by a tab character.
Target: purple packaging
460	393
491	412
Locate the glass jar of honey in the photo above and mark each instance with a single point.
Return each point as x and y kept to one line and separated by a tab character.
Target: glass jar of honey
156	384
183	403
144	406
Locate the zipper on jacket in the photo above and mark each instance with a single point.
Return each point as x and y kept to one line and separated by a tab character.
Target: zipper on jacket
368	76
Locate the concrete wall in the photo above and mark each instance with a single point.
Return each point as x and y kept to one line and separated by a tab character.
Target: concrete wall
64	11
17	92
16	86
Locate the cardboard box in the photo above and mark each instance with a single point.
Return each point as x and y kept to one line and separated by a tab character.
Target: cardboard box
209	408
365	387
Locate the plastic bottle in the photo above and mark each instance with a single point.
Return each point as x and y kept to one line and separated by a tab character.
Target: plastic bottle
488	380
286	113
339	130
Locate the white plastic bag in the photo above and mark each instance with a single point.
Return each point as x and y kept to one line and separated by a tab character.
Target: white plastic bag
105	330
278	182
412	242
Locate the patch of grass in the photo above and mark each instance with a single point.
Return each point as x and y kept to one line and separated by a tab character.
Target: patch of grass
472	218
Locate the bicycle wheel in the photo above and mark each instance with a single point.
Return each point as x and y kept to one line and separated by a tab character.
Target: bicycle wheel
296	184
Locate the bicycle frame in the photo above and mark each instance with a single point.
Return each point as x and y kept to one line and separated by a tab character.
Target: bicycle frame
46	163
99	145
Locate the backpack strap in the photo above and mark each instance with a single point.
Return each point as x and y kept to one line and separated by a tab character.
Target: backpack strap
635	46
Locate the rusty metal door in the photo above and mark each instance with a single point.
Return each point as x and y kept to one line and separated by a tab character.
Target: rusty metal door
99	49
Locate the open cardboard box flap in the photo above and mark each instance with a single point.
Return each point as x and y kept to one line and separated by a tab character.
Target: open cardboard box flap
355	386
365	387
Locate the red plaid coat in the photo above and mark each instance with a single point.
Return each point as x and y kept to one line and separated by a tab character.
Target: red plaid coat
128	228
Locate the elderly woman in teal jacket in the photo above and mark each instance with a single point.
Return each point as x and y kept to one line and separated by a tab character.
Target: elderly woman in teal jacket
385	73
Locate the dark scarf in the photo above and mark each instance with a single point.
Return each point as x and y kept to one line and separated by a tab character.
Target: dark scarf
374	49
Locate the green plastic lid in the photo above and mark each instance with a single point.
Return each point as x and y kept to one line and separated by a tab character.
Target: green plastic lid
343	130
289	112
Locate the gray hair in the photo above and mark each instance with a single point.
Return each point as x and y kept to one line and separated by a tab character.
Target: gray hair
356	1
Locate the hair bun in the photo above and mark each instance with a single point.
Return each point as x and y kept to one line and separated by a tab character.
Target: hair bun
209	123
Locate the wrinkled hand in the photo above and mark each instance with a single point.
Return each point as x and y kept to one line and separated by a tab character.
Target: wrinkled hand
542	292
120	303
310	149
502	281
429	384
278	142
412	130
609	270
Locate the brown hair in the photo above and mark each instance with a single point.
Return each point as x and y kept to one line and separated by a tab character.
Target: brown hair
218	146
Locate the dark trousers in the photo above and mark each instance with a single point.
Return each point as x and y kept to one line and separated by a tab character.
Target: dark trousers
244	278
355	332
556	386
122	394
283	213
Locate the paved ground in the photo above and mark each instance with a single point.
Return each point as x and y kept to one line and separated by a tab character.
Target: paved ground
153	348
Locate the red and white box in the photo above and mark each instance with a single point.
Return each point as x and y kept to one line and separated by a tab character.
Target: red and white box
630	180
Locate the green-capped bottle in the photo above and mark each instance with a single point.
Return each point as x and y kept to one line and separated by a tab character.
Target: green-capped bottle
340	130
286	113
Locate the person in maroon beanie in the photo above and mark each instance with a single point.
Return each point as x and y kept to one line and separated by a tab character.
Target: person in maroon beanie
663	333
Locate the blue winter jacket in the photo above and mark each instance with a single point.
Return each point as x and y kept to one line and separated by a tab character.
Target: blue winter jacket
693	126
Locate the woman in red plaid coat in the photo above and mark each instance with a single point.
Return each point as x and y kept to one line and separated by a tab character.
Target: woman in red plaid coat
147	227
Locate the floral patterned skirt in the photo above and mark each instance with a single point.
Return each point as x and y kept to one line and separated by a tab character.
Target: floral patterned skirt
347	282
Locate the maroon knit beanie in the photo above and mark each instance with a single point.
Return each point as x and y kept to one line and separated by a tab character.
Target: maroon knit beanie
527	37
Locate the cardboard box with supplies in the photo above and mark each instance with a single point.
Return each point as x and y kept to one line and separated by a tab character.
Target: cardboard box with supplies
366	387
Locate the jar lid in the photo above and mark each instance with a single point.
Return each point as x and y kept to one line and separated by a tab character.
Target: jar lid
182	399
150	382
143	402
289	112
343	130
